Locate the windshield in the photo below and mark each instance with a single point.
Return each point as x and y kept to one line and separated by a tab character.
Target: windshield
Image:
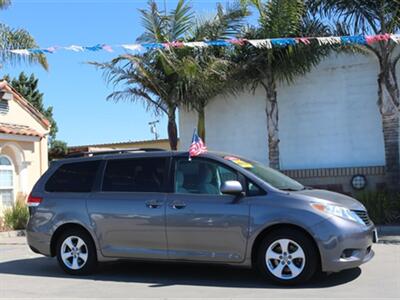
271	176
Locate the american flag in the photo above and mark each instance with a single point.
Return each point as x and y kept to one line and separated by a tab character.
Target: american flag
197	146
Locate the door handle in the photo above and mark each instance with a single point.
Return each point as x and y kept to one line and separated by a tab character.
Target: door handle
153	204
178	205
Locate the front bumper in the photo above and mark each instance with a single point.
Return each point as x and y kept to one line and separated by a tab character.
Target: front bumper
343	244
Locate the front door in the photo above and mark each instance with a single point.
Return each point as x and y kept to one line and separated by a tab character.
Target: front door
202	223
128	213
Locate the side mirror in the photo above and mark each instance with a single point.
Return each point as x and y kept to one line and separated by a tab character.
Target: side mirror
231	187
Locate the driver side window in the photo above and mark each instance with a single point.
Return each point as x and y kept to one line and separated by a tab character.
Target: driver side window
200	176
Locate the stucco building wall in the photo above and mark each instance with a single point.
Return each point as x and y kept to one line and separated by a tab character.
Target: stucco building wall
23	141
328	119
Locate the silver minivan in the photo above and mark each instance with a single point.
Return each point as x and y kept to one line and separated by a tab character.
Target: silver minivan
215	208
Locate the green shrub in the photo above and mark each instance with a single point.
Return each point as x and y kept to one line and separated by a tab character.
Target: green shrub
17	216
383	207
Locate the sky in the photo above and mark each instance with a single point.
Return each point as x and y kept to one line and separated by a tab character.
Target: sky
77	91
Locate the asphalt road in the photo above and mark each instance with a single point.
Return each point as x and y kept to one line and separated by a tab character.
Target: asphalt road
24	274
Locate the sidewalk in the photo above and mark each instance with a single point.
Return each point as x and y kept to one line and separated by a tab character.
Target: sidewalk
12	233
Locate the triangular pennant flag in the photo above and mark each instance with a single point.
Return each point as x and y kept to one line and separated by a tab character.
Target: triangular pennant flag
395	38
328	40
153	46
283	42
196	44
266	43
219	43
303	40
20	52
107	48
97	47
371	39
239	42
133	47
353	39
74	48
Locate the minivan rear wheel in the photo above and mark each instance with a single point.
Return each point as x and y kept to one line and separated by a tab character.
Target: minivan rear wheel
287	256
76	252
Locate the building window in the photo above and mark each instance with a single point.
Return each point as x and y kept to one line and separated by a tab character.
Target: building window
6	181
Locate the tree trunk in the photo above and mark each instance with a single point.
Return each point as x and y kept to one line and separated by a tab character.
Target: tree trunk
172	129
201	124
388	94
272	123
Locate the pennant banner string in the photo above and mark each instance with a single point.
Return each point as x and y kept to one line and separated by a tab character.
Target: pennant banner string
259	43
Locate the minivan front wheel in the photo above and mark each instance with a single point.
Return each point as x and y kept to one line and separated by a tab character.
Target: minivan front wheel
76	252
287	256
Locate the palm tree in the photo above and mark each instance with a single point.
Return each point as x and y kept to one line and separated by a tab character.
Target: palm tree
266	66
148	77
206	75
168	78
17	39
211	68
376	17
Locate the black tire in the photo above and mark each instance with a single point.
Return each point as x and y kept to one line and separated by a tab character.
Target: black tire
311	264
91	263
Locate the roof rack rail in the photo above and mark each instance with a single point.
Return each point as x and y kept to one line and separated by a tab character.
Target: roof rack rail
116	151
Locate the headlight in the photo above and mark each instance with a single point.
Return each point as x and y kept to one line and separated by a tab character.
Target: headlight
338	211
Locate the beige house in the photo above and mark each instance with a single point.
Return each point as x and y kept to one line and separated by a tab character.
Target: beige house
23	146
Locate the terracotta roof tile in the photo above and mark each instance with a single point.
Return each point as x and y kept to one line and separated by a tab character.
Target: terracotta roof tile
18	130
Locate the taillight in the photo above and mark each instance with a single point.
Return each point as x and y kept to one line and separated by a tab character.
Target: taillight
34	201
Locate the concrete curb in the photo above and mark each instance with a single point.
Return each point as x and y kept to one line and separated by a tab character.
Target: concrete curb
13	233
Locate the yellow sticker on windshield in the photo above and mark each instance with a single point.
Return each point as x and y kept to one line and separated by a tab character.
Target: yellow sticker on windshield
239	162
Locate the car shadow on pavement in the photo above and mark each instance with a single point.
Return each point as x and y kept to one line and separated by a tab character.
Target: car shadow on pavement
168	274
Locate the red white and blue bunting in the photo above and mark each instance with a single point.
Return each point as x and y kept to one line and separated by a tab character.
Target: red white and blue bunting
263	43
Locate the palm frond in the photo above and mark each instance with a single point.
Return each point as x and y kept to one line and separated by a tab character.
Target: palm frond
5	4
138	78
161	26
180	20
18	39
282	18
363	16
164	79
226	23
154	22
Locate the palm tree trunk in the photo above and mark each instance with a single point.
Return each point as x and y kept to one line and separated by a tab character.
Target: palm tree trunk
388	95
272	123
172	129
201	123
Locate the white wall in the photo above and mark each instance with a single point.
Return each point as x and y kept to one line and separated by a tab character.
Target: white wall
328	118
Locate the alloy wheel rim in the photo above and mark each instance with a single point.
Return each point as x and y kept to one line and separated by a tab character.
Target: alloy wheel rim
74	252
285	259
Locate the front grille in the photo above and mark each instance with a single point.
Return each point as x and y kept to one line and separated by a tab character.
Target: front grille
363	216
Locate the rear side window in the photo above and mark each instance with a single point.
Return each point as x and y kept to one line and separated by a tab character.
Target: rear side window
135	175
73	177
